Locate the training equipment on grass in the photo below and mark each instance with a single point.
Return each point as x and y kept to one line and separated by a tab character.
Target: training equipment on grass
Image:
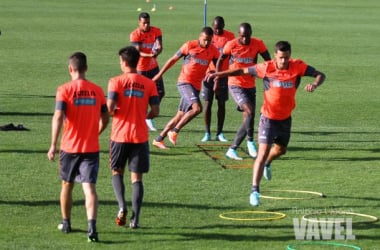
321	243
313	195
369	218
276	216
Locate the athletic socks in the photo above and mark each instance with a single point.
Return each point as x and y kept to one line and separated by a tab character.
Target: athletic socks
137	199
255	189
119	189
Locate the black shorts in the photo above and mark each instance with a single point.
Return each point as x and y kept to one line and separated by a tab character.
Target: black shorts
80	168
243	95
208	90
135	154
159	83
189	95
273	131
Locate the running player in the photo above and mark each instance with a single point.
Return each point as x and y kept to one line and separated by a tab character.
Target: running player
198	54
282	77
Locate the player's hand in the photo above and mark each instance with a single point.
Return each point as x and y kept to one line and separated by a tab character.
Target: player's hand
310	87
209	76
51	153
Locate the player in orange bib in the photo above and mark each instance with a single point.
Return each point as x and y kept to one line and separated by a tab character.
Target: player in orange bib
281	78
130	95
220	38
243	52
81	110
148	41
197	54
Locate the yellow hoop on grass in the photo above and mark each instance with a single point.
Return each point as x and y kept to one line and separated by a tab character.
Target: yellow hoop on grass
277	216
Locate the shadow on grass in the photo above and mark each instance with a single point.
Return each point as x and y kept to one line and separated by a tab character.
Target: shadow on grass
80	202
25	114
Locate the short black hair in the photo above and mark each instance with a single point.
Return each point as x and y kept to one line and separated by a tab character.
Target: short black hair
283	46
130	55
78	61
144	15
246	27
208	31
219	20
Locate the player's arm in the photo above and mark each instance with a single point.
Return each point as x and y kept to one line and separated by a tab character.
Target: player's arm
56	126
137	45
157	48
319	79
169	63
104	118
219	62
154	111
265	55
111	102
229	72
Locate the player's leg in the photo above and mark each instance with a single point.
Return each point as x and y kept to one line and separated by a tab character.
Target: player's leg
88	174
66	201
208	98
258	168
221	97
118	159
138	165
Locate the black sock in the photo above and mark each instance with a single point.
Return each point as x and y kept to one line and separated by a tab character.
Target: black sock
66	221
137	199
159	138
255	189
119	189
175	130
91	226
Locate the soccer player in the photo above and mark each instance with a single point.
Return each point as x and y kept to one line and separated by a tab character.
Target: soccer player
148	41
81	109
281	77
243	52
129	97
220	38
198	54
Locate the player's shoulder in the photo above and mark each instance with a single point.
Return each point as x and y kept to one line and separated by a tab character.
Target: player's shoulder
228	34
296	61
257	40
155	29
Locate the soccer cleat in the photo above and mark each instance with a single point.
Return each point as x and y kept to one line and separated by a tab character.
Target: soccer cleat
173	137
221	138
133	225
159	144
93	237
150	124
121	218
64	227
206	137
232	154
267	172
254	199
251	149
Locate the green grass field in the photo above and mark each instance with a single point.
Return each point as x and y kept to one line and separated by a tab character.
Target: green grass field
334	147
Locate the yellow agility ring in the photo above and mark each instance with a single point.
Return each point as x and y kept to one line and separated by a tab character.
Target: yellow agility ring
313	195
276	216
369	218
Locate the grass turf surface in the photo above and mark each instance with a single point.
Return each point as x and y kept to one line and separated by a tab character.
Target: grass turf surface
334	147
